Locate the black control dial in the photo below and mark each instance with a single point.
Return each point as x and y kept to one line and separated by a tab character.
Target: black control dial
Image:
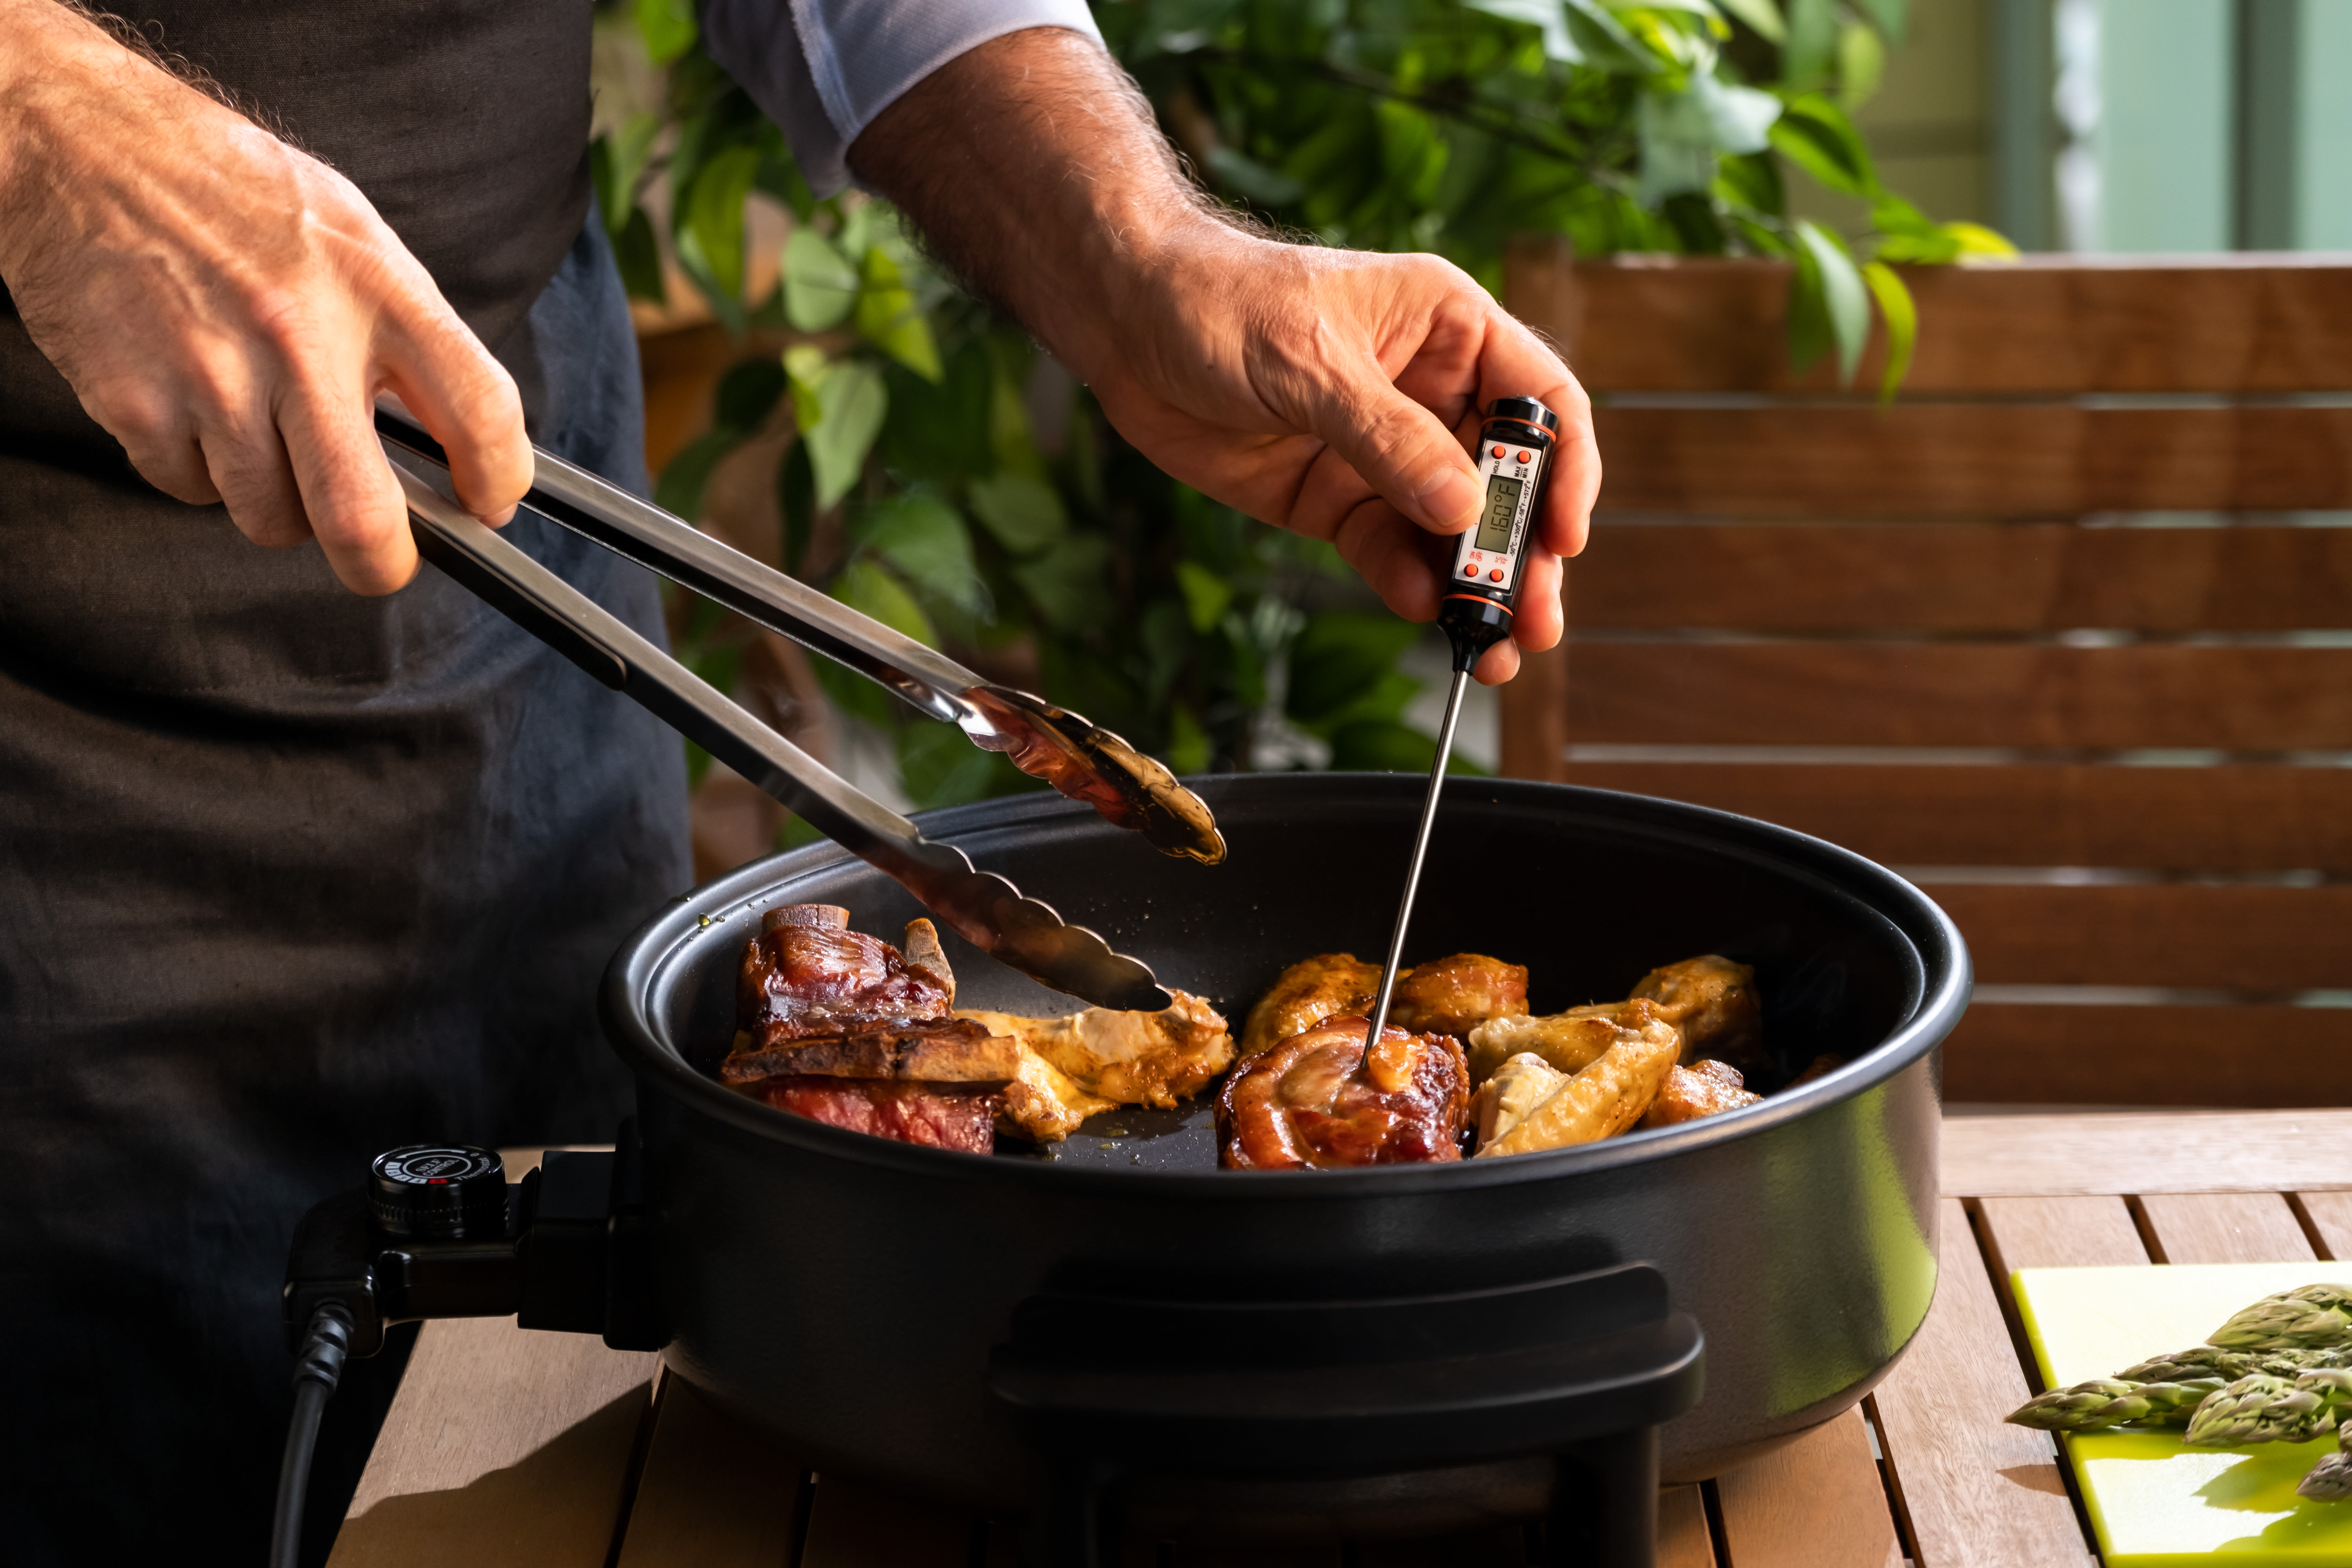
439	1192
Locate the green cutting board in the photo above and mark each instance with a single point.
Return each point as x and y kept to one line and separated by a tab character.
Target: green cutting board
2154	1503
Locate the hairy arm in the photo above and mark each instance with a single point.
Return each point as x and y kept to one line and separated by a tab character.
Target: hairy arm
228	307
1333	393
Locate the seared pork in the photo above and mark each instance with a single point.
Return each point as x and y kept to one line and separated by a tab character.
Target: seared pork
806	976
905	1112
1321	1099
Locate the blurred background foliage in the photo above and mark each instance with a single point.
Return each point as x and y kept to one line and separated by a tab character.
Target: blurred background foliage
931	470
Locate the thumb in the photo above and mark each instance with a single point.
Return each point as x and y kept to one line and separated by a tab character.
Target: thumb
1404	452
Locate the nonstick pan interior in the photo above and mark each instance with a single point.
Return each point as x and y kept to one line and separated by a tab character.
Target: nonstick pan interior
1588	889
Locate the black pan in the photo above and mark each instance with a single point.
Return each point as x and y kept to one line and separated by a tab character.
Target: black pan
848	1292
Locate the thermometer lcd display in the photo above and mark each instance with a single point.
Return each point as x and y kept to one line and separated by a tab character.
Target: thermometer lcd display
1502	509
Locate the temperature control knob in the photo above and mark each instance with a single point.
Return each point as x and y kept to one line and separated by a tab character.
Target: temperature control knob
439	1192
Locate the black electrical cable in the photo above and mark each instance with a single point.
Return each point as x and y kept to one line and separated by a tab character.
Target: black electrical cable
317	1368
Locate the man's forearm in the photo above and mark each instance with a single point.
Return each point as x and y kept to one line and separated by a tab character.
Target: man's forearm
1034	168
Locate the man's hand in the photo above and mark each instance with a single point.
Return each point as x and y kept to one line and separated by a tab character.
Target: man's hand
228	307
1334	393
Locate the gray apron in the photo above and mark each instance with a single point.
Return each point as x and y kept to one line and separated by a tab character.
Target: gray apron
289	876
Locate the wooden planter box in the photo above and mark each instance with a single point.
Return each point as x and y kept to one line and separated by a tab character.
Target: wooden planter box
2056	634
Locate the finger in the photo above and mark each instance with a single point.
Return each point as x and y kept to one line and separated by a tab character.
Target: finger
1537	621
248	468
466	401
1398	560
161	442
1498	664
1399	448
353	504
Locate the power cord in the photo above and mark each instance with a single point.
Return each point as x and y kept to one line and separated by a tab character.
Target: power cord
317	1368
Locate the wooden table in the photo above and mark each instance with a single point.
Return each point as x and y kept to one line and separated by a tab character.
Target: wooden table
518	1449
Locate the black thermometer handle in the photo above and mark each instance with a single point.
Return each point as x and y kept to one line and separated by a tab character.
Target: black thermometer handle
1482	591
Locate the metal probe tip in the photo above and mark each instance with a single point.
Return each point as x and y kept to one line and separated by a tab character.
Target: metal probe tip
1420	851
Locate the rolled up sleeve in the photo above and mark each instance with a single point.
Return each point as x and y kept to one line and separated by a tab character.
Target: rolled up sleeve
823	69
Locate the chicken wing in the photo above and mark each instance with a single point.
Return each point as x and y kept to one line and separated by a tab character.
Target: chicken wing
1569	1042
1129	1058
1710	1088
807	975
1454	995
1603	1101
1321	1099
1713	1002
1043	1105
1329	986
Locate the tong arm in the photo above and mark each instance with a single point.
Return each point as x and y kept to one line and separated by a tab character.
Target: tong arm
984	908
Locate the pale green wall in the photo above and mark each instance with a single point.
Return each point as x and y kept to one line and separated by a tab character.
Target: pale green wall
2165	136
2323	184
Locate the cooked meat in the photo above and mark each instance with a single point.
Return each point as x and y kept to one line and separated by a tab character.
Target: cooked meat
1569	1042
1133	1058
1819	1067
806	976
1454	995
1517	1087
905	1112
1710	1088
1321	1099
1329	986
1713	1002
1043	1105
1600	1101
933	1050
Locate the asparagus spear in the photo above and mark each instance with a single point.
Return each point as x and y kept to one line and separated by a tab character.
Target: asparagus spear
2211	1360
2330	1480
2265	1409
2111	1401
2308	1317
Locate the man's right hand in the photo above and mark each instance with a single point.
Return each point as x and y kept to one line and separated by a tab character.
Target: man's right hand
228	307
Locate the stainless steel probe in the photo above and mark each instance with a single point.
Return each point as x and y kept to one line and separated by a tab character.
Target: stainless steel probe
1480	595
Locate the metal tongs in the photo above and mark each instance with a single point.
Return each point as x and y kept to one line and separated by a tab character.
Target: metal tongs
1082	762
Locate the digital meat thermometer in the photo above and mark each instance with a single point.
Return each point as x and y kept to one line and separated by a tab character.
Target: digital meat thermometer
1475	605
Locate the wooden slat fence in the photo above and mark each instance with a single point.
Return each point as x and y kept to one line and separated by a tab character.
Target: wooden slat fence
2065	634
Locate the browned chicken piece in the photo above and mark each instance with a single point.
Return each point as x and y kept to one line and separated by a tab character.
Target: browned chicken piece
1329	986
1710	1088
1454	995
1569	1042
1132	1058
1819	1067
1713	1002
1321	1099
1608	1095
806	976
930	1050
927	1114
1043	1105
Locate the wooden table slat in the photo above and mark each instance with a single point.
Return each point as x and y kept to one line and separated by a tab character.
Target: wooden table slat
1817	1503
2067	1232
1979	1493
2330	1216
714	1492
2224	1228
2038	1155
1683	1540
504	1446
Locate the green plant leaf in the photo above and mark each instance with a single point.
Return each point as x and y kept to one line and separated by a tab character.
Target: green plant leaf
1067	582
616	160
1385	746
1206	594
889	318
820	285
1339	657
1249	178
1892	16
683	479
1024	513
1814	134
852	404
1190	750
1896	308
1838	294
1807	60
1862	62
940	766
920	534
1762	16
714	218
1975	239
865	586
1546	17
667	28
749	392
638	253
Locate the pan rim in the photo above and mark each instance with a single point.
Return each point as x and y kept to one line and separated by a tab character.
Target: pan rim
637	970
